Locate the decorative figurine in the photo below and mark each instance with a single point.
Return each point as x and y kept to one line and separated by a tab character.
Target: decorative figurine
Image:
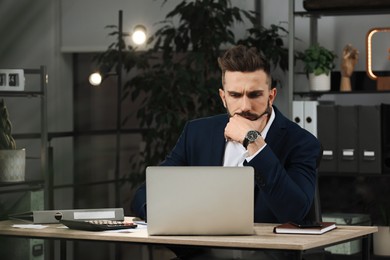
348	62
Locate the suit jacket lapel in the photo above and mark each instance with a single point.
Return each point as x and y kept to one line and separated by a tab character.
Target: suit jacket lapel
277	129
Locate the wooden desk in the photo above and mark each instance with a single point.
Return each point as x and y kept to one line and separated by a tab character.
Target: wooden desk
264	238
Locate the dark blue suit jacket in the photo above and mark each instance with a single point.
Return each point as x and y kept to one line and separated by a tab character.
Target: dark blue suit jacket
285	170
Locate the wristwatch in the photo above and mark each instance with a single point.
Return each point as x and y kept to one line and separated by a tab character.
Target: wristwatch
250	137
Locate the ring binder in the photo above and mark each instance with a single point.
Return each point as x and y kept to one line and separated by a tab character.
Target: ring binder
54	216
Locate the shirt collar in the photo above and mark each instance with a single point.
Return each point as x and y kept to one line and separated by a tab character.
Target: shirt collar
269	123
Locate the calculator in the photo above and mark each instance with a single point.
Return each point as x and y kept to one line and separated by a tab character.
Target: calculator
97	225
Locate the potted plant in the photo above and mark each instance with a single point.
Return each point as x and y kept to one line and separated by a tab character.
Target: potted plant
318	63
12	160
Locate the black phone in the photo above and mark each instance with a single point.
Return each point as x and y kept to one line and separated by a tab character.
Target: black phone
307	224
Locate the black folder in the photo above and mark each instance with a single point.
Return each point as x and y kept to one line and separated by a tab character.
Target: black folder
385	121
370	154
347	139
327	134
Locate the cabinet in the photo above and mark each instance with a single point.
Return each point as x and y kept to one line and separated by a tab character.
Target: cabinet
36	81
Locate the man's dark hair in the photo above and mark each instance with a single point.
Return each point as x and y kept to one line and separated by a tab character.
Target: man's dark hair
243	59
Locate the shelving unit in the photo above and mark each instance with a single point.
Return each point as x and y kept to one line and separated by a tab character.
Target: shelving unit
355	187
36	193
44	183
313	17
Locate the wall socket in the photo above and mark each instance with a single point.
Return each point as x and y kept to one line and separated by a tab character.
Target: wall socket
11	80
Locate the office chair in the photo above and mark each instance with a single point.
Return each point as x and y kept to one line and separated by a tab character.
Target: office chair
315	214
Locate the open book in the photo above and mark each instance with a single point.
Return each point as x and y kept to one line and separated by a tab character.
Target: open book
291	228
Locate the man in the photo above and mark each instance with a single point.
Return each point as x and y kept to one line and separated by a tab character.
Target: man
283	154
252	133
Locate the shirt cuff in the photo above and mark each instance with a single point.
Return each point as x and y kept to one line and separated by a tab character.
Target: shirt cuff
249	158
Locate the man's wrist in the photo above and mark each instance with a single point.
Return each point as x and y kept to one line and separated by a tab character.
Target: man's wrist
253	151
250	137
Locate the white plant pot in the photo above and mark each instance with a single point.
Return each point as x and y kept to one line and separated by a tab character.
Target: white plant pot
12	165
382	241
320	82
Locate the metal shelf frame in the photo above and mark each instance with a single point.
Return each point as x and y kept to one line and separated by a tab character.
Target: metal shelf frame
43	135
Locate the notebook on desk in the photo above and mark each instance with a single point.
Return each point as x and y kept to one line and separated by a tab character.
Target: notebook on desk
200	200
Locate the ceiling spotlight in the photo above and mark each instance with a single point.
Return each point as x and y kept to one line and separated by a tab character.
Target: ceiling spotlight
139	35
95	79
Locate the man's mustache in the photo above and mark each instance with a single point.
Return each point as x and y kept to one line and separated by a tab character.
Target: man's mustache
248	115
254	117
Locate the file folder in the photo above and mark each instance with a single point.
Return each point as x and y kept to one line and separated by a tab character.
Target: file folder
310	115
298	114
385	122
370	154
347	123
54	216
327	135
305	115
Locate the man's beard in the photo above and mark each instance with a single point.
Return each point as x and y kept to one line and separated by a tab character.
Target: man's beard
251	116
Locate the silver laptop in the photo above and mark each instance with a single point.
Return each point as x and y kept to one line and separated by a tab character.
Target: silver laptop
200	200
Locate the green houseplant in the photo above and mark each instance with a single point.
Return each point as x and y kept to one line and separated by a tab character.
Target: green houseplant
318	63
177	78
12	160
